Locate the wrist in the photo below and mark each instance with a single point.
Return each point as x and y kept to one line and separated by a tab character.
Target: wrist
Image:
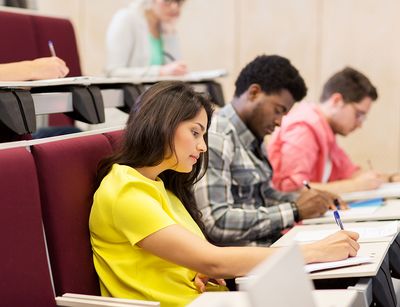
310	253
295	209
391	177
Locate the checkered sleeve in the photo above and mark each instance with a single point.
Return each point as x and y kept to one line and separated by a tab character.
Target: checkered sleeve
227	222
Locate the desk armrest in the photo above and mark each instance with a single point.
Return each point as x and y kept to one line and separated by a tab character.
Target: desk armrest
83	300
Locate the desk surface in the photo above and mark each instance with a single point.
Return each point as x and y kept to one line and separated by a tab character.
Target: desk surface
289	237
389	211
322	298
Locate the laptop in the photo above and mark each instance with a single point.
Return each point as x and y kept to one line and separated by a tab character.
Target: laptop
280	280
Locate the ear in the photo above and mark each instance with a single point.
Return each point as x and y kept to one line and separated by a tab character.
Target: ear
336	100
253	91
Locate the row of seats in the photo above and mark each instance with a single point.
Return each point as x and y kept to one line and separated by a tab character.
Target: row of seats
25	36
48	184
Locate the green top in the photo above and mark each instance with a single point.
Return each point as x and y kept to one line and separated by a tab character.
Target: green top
156	46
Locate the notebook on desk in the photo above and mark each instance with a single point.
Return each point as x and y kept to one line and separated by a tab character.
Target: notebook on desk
280	281
386	190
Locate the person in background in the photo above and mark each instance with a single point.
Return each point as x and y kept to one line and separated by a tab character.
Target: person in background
38	69
238	204
142	41
305	146
145	228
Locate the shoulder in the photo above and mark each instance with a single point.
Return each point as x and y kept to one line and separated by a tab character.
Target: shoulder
221	132
303	114
124	182
221	126
129	15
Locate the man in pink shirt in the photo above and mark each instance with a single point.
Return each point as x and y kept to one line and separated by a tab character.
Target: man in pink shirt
305	147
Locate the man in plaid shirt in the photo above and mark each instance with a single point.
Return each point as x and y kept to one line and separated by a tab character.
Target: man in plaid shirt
238	204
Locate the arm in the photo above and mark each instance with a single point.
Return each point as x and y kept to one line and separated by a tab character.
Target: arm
41	68
368	180
175	244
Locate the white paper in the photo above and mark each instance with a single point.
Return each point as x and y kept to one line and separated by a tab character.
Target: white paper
193	76
389	229
337	264
386	190
357	211
84	80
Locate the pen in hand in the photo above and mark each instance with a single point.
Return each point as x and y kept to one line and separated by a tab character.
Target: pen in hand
337	219
306	184
51	48
370	165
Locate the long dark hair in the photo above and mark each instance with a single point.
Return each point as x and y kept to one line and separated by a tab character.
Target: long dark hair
149	134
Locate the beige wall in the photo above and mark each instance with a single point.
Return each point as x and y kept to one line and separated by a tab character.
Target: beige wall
318	36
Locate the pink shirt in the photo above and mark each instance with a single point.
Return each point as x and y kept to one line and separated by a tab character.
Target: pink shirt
301	147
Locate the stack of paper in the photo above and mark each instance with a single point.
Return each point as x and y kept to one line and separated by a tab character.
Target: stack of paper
386	190
337	264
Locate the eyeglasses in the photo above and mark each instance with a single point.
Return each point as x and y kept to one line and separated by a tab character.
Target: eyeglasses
359	114
179	2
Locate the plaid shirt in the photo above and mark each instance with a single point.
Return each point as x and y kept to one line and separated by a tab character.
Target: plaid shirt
238	204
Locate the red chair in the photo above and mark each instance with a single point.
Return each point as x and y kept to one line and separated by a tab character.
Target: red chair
66	172
24	271
17	37
115	138
61	32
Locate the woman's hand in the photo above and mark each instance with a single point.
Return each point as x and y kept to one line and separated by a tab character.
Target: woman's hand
177	68
48	68
201	280
338	246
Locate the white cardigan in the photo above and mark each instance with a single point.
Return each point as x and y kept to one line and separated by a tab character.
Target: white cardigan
128	44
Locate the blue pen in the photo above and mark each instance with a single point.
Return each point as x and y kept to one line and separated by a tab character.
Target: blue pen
337	219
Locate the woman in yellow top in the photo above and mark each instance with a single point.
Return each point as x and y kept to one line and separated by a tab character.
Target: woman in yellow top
144	225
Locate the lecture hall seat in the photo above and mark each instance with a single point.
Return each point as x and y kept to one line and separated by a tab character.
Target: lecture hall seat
66	172
25	277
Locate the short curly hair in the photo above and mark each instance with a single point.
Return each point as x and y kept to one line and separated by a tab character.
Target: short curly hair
351	84
273	73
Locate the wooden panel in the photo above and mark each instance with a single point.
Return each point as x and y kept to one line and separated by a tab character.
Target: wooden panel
207	36
95	20
287	28
359	34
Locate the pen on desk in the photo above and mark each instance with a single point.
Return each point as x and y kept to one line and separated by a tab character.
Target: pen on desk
370	165
306	184
51	47
337	219
169	56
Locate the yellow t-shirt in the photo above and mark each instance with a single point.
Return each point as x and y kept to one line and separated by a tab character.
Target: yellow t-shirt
127	208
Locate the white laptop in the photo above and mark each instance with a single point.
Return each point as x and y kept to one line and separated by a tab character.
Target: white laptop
280	281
